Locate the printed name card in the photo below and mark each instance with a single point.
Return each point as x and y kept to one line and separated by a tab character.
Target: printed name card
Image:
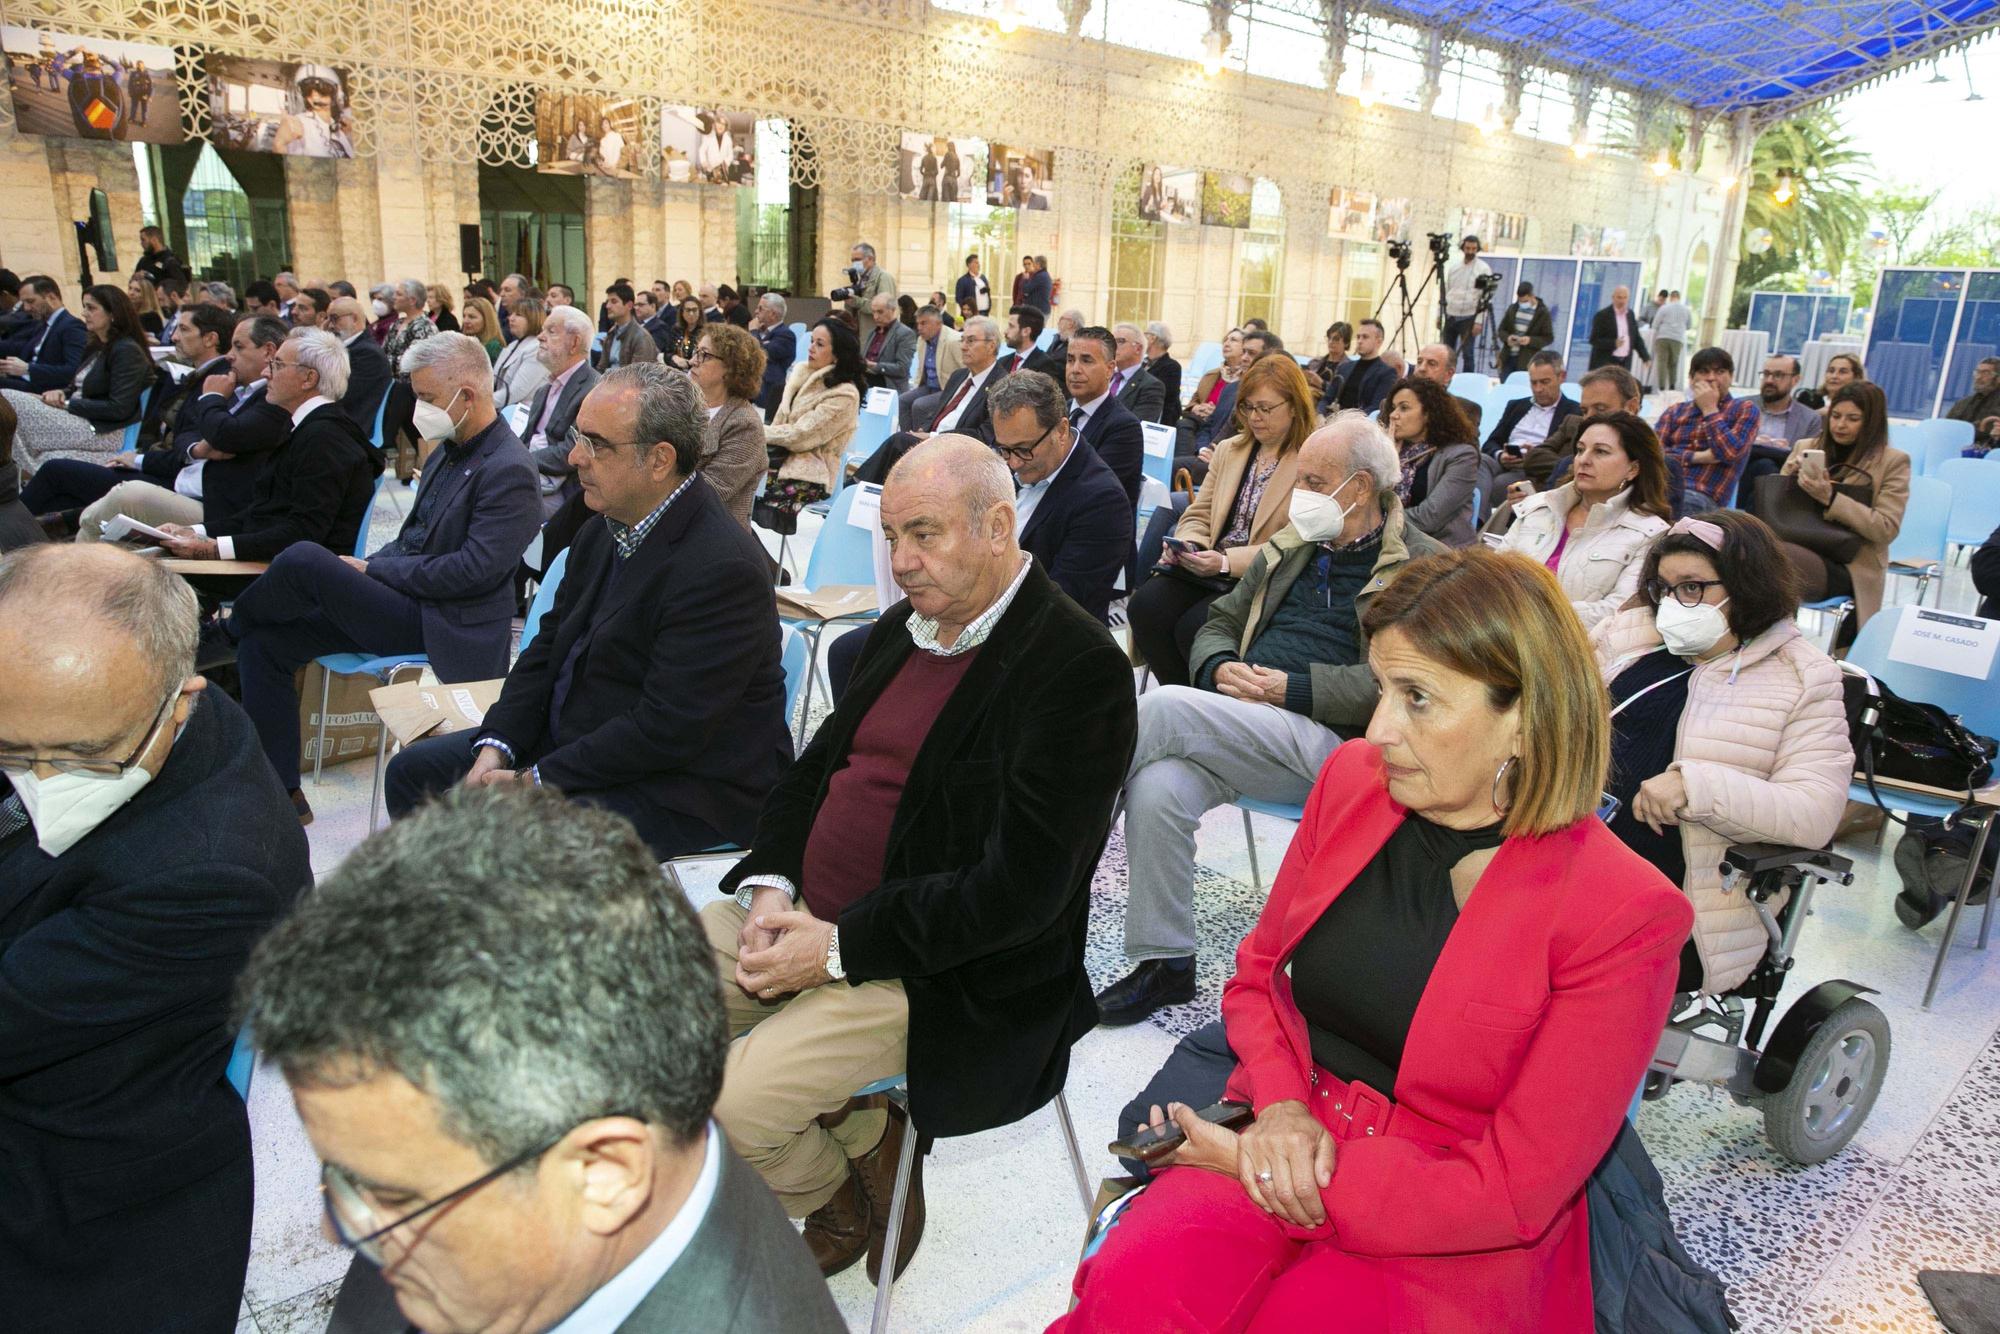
1945	641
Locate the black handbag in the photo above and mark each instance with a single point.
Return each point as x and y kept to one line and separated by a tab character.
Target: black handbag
1911	741
1796	517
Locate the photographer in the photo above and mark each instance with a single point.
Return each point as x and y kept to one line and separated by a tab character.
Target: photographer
865	282
1468	294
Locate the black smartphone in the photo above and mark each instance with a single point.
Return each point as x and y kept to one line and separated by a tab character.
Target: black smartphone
1150	1144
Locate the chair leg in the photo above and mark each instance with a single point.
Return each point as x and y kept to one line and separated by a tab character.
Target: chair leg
319	744
898	1198
381	764
1958	905
806	694
1083	1190
1250	841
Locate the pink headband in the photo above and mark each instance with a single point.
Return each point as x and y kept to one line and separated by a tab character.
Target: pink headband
1708	534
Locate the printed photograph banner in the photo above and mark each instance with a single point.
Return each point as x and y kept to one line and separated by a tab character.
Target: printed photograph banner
1019	177
937	168
708	146
269	106
91	87
584	134
1586	242
1350	214
1225	199
1392	220
1495	230
1169	194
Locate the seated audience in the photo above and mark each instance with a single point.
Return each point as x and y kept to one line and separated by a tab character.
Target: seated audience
563	349
1855	450
1440	462
781	348
482	322
368	372
443	587
1243	501
407	304
143	849
86	418
227	435
646	310
1143	396
888	345
1434	363
1099	419
1595	529
937	359
302	311
1727	727
988	723
1710	433
627	342
316	488
815	419
1281	670
261	298
18	527
1981	407
379	297
145	298
1842	369
729	370
1323	369
436	1069
518	371
685	336
962	410
1600	393
1524	424
654	687
1070	513
1782	422
1024	327
437	305
1368	380
1160	364
1209	391
1423	1129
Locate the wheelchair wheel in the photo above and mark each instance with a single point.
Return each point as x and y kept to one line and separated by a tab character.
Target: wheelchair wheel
1837	1078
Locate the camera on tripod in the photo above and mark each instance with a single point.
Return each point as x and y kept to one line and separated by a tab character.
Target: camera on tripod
1400	252
1440	245
1486	283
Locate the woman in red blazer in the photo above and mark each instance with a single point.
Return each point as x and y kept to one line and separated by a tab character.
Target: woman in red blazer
1453	922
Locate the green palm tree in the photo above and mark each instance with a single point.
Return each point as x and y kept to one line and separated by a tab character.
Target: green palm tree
1827	215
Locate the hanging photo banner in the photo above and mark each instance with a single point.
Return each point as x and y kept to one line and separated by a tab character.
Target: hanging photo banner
1392	220
707	146
1020	177
936	168
1169	194
1588	242
1350	214
1612	243
583	134
92	88
1495	230
270	106
1225	199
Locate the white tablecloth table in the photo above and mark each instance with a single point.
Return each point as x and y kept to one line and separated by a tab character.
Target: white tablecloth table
1812	361
1747	348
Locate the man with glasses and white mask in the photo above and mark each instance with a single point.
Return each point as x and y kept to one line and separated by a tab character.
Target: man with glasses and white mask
143	849
493	1170
443	586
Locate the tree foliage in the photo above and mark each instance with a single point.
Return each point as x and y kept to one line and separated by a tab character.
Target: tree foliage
1826	220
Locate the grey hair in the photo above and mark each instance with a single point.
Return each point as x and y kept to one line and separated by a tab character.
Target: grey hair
456	356
1158	330
415	290
544	976
1546	357
1029	389
223	293
984	325
1072	314
156	609
287	277
974	471
1137	332
519	280
671	408
1365	444
325	355
775	302
571	321
864	248
381	291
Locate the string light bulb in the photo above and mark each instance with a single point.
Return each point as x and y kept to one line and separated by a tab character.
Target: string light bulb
1489	121
1661	164
1729	182
1368	96
1782	192
1582	147
1213	44
1009	18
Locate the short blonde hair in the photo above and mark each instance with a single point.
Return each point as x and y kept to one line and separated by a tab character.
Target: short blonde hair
1504	621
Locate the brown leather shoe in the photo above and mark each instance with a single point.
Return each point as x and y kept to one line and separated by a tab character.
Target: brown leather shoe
838	1232
877	1171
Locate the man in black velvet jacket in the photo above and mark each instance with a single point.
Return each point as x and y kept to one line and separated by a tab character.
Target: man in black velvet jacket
654	688
128	904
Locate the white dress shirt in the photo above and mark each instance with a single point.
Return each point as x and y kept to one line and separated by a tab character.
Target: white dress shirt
950	421
1028	497
225	547
1089	411
1534	426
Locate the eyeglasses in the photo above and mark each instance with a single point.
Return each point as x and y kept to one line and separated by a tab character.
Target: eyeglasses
1264	409
1688	594
701	354
1022	453
96	768
358	1224
598	448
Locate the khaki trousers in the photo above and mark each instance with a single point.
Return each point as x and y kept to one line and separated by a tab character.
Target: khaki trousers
793	1066
137	500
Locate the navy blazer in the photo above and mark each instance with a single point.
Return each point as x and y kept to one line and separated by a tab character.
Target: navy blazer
117	1128
781	349
1081	531
1517	409
676	701
250	434
488	509
368	377
316	489
55	365
1119	440
1038	291
1373	386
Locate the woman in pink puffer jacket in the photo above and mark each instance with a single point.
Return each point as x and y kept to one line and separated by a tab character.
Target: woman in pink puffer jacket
1727	725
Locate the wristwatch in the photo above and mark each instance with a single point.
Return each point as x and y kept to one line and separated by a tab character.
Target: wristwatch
833	968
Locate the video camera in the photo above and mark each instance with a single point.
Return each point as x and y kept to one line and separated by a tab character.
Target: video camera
1440	245
854	277
1400	252
1487	283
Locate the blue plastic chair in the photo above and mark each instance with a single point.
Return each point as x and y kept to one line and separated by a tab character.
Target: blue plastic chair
1831	610
242	1064
1921	545
1207	357
545	598
1472	385
129	443
1930	443
1046	339
1975	500
803	336
841	554
381	411
1158	457
1957	436
1516	379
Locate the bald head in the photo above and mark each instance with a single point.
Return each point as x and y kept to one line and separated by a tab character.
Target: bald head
962	466
948	513
1434	363
344	317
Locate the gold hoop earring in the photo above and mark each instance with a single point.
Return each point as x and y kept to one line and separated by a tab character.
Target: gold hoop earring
1500	775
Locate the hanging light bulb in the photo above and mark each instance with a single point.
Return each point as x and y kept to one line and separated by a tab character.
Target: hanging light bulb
1368	96
1009	18
1729	182
1213	44
1661	164
1489	120
1782	192
1582	147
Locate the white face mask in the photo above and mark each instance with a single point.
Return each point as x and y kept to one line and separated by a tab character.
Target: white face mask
1689	632
1319	518
432	422
65	807
380	307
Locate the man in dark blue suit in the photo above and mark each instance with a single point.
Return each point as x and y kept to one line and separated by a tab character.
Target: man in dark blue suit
1525	424
130	896
46	354
1070	513
655	687
781	348
1095	413
444	587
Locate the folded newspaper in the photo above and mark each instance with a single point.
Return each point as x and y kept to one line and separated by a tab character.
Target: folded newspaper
121	526
830	603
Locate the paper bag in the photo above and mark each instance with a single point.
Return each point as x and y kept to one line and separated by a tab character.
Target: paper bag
416	709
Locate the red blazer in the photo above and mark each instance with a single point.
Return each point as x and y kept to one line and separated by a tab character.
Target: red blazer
1535	1028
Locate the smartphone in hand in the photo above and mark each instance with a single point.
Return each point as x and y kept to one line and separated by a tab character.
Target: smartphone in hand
1813	461
1153	1143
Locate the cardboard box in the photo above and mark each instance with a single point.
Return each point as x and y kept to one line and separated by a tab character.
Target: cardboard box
417	709
831	603
353	731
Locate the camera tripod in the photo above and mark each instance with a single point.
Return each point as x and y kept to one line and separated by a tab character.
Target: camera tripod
1400	288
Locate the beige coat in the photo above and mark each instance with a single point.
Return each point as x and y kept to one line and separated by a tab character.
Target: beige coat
1599	569
1208	513
1878	522
813	424
1763	750
948	357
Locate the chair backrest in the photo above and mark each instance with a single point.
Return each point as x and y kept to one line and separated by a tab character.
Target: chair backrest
242	1064
880	402
1159	448
131	440
1934	445
1956	435
1046	339
545	598
1926	519
1973	700
842	553
1975	499
1207	356
382	409
1572	391
1472	385
1517	378
803	336
797	658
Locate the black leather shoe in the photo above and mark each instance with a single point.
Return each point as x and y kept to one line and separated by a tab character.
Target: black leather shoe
1153	985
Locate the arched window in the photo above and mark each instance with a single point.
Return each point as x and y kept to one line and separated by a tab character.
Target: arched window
1260	256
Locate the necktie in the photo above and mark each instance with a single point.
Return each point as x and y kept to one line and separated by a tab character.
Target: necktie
1117	382
875	345
1076	419
958	397
13	816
